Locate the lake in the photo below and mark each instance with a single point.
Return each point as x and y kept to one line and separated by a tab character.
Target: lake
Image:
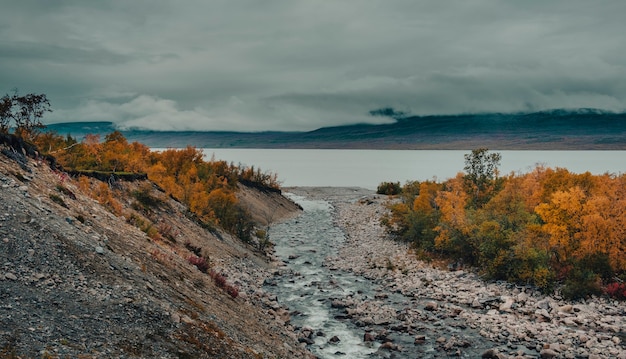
368	168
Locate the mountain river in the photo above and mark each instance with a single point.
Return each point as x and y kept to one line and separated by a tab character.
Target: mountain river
313	293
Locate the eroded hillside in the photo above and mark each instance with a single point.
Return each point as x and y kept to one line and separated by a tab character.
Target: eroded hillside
78	281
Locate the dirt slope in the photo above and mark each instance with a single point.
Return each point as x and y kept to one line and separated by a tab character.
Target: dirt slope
77	281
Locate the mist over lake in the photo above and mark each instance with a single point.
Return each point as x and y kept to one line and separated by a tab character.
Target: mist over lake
367	168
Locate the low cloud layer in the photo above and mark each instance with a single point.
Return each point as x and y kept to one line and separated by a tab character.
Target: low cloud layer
301	65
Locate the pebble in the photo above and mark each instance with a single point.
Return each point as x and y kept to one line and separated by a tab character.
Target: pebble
10	276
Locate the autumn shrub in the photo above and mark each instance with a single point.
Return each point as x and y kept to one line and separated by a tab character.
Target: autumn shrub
389	188
218	278
167	231
616	290
200	262
232	291
105	196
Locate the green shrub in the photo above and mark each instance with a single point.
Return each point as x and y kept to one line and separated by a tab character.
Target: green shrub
145	199
58	200
389	188
581	284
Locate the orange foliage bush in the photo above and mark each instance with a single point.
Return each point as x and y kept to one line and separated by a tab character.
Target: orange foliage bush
207	187
537	228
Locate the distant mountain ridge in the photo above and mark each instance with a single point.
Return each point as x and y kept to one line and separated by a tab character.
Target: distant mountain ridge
582	129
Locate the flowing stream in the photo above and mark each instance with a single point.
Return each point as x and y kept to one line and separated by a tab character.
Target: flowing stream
308	288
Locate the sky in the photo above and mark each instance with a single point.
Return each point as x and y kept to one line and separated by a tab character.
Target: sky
295	65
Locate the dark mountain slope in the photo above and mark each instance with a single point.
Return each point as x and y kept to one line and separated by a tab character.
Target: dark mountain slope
584	129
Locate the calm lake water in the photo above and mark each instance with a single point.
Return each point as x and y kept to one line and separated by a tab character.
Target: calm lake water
368	168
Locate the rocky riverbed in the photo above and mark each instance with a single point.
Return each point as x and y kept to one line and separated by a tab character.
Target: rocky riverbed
516	321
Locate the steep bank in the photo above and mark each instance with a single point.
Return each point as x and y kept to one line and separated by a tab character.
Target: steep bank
78	281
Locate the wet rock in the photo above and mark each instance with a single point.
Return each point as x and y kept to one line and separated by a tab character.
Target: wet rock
307	341
490	354
334	340
369	337
337	303
388	346
548	353
420	339
431	306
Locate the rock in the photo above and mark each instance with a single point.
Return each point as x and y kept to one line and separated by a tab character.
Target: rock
185	319
522	297
568	308
337	304
307	341
431	306
548	353
544	304
543	315
369	337
382	336
388	346
583	338
99	250
10	276
506	306
420	339
476	303
334	340
490	354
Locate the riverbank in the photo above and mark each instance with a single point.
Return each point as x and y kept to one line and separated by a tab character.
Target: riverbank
519	321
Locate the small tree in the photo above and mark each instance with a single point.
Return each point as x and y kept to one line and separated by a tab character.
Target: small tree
481	172
23	113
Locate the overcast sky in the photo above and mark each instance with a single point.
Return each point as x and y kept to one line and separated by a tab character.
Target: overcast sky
300	65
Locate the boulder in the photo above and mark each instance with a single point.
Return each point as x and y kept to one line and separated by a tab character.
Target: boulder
334	340
431	306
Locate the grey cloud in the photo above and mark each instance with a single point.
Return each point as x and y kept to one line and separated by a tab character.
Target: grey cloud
247	65
38	53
